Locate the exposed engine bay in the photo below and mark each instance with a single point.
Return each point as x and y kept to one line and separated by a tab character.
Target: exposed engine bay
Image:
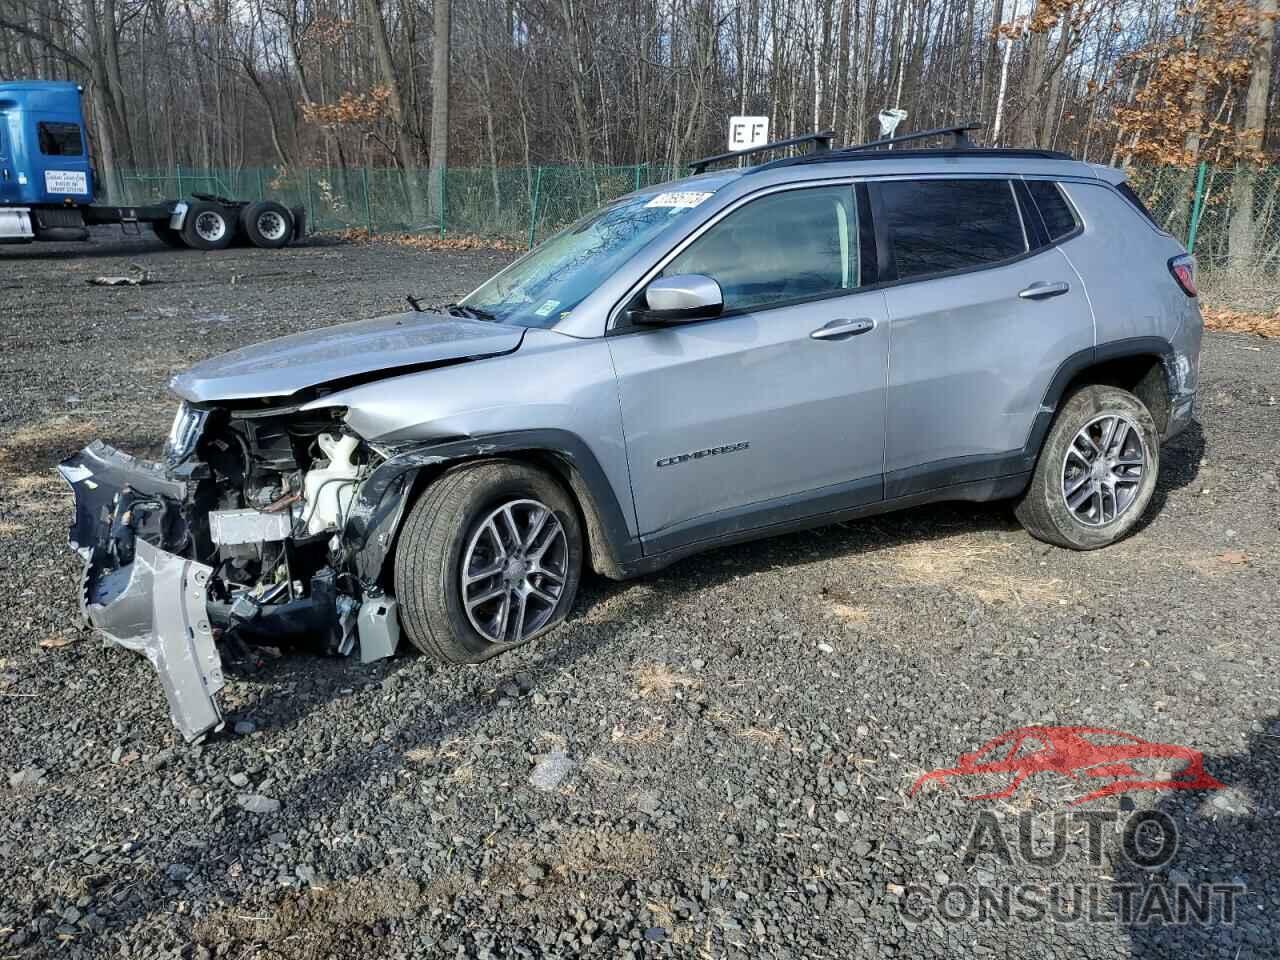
244	535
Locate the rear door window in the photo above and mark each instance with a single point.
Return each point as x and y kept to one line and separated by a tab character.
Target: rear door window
947	225
784	247
60	139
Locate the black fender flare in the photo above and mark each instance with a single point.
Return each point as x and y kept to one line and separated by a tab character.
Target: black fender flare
1081	361
371	527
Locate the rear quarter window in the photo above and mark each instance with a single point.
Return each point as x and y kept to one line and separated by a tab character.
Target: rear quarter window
1128	193
943	226
1059	219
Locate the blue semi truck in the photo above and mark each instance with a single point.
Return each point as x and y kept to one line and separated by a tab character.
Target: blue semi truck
48	184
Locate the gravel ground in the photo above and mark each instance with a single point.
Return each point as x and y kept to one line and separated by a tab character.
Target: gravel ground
712	761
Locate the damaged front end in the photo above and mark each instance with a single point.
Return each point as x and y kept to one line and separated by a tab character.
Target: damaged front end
240	537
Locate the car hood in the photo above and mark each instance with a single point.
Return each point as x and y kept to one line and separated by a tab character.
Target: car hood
281	367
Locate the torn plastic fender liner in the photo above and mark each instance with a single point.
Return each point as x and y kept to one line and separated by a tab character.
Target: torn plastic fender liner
156	606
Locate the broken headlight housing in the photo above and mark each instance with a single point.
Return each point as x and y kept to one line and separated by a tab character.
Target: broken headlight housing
188	424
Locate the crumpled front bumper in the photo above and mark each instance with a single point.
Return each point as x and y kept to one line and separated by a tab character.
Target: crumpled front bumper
139	595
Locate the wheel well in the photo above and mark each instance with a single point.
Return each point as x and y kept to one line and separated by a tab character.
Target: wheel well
597	544
1144	376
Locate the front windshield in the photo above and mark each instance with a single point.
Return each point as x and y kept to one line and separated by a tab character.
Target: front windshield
558	275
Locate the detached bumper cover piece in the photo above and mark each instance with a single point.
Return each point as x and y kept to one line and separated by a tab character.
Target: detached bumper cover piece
140	596
156	606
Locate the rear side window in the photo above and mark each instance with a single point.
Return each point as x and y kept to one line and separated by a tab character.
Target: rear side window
940	226
789	246
1059	220
60	139
1126	191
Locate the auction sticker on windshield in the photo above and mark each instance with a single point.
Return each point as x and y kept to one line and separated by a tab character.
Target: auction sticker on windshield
678	198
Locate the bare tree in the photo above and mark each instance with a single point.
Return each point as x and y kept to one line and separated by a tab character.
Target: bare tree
1242	232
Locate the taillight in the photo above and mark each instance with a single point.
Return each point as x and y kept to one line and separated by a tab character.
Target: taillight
1183	269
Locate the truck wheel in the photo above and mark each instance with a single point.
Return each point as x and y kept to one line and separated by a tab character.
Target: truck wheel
208	226
1096	472
267	224
488	559
168	236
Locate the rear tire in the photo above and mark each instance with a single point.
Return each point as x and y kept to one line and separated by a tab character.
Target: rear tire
267	224
480	531
208	226
1096	472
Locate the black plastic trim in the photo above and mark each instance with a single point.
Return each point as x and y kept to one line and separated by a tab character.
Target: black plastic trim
774	522
727	523
837	156
1032	220
1082	360
957	470
383	498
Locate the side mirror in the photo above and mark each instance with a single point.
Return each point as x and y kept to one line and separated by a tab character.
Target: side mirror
680	299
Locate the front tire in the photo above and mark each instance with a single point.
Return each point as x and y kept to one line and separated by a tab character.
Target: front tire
1096	472
489	558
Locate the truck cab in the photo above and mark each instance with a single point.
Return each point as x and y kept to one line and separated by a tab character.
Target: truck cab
44	155
47	184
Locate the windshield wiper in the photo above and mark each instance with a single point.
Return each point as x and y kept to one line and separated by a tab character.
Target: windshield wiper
471	313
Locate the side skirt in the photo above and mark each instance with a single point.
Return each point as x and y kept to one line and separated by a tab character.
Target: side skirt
767	523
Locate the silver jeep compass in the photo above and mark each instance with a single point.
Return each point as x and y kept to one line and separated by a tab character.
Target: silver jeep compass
730	356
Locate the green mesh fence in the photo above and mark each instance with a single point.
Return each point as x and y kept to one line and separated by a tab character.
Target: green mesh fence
1199	205
1229	217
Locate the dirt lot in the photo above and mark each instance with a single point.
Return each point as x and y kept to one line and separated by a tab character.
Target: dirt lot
743	729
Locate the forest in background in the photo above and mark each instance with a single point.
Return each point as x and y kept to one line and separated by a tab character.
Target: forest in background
491	83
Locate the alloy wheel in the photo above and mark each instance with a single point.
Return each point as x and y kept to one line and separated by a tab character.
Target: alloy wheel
1103	469
514	570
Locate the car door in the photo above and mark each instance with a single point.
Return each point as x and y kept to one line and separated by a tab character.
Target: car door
775	409
982	312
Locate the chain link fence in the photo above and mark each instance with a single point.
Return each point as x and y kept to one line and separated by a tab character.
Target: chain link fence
1228	217
1199	205
524	204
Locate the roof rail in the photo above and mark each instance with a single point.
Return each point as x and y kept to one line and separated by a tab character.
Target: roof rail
821	143
961	141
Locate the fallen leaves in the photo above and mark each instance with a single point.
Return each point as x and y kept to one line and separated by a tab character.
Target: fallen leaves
430	241
56	642
1239	321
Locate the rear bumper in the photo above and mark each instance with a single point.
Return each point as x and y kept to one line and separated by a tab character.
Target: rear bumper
1182	414
141	596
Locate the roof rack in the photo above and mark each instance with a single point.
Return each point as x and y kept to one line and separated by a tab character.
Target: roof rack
821	144
960	134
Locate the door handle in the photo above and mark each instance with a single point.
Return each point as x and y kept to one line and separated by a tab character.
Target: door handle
843	329
1044	289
